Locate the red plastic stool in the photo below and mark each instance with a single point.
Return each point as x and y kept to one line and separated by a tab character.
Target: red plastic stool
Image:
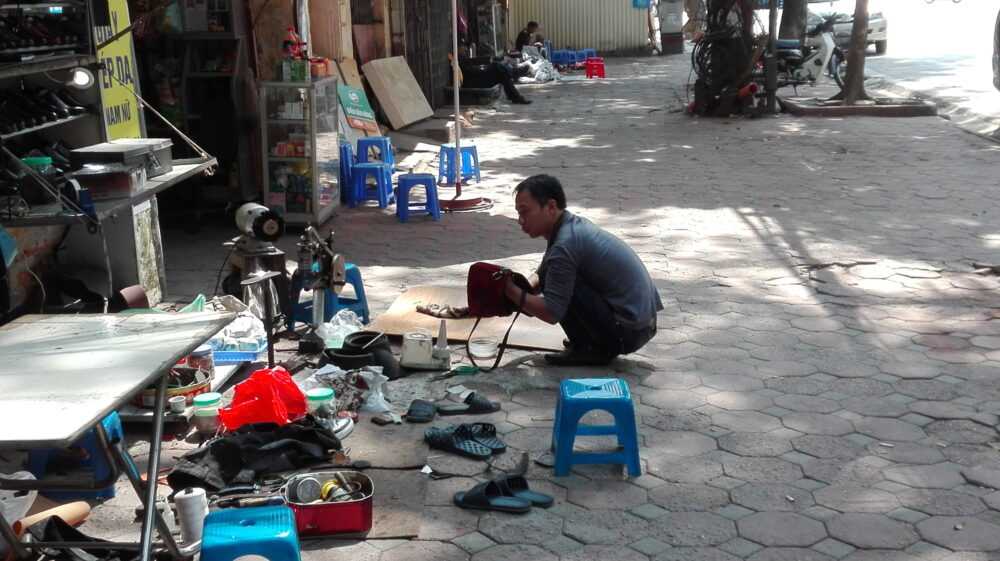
595	67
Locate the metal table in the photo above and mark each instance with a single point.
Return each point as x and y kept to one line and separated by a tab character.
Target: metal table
62	374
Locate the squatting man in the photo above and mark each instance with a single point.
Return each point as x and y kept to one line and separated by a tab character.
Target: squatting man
589	282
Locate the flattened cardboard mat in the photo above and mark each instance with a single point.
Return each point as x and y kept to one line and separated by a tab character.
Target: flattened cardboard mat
528	332
398	505
389	446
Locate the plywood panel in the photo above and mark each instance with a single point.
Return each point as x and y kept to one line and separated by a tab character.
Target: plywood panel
271	19
528	332
364	41
397	91
324	29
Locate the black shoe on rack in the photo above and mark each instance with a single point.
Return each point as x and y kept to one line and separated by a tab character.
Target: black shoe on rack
57	102
71	101
14	113
30	106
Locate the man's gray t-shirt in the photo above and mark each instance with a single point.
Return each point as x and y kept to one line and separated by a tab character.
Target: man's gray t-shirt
579	249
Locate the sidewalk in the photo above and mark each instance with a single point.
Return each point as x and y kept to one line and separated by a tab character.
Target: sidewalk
824	384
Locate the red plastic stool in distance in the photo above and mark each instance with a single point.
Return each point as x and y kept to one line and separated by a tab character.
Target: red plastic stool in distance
595	67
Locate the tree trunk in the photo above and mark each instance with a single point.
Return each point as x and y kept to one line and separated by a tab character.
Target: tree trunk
854	82
793	20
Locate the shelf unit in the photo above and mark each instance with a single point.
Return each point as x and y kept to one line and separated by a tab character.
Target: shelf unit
301	117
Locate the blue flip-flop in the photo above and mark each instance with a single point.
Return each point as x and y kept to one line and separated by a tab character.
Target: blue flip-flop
488	496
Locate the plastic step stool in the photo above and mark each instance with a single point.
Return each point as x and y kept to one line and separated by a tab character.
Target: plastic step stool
381	143
577	397
446	163
382	172
41	462
267	531
405	207
595	67
302	311
346	163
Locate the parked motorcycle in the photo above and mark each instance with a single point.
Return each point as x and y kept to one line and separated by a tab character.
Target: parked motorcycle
799	64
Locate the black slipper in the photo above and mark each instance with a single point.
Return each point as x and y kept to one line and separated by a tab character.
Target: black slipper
474	404
517	486
457	440
487	496
483	433
421	411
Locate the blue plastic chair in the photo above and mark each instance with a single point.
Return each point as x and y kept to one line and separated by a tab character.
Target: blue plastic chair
404	207
446	163
381	143
302	311
346	163
268	531
41	462
382	172
577	397
590	53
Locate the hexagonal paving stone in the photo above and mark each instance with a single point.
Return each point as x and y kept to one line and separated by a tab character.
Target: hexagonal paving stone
766	444
673	400
761	470
992	500
689	496
408	551
536	398
621	495
862	386
783	529
946	342
931	390
789	554
695	554
446	522
807	403
772	497
675	420
519	552
817	423
680	443
961	432
605	527
879	555
889	429
871	531
739	401
537	439
910	369
983	477
874	406
942	410
672	380
534	527
960	533
817	324
732	382
784	368
941	502
590	552
842	471
681	469
803	386
925	477
695	529
746	421
854	498
823	446
848	369
907	452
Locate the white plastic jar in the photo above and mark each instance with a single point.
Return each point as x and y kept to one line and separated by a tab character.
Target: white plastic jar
206	413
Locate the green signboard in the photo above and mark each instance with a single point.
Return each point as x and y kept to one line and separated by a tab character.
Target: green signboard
359	113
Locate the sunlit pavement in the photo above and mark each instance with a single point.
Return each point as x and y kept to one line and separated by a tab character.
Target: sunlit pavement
824	384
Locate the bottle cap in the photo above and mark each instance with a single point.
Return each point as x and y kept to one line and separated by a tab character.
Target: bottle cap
202	350
319	394
209	398
38	161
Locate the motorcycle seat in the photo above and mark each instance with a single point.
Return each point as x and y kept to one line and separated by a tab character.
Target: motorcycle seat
790	55
788	44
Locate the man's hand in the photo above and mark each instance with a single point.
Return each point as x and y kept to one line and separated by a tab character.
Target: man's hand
534	305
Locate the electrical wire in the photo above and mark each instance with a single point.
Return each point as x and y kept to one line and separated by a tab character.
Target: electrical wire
41	308
218	278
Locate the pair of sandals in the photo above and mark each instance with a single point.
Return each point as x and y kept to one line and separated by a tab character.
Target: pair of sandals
509	493
423	411
478	441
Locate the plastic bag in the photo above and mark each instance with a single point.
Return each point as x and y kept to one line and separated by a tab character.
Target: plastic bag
339	326
268	395
355	390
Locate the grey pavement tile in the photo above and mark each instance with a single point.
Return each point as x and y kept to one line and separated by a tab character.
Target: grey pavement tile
942	502
772	497
871	531
833	548
689	496
741	547
650	546
767	444
907	515
695	554
781	529
560	545
608	527
620	495
789	554
726	482
927	551
823	446
683	469
647	481
693	529
901	398
797	457
648	511
960	533
846	497
778	412
927	477
473	542
735	512
513	552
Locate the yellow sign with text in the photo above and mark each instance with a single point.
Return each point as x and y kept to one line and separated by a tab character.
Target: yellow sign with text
121	108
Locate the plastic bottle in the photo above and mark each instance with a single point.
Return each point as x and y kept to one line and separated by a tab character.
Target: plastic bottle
206	413
290	44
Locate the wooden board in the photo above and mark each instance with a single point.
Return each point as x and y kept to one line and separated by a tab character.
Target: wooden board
364	41
347	133
528	332
397	91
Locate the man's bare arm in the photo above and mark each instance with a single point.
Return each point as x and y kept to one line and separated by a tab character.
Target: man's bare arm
534	304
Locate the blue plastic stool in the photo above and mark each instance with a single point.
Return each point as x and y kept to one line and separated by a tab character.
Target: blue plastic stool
548	48
384	146
41	462
268	531
577	397
563	57
446	163
302	311
579	56
346	163
382	172
404	207
590	53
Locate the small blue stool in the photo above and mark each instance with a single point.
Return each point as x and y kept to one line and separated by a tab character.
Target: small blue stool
577	397
268	531
302	311
381	143
346	163
579	56
548	48
404	207
41	462
382	172
446	163
590	53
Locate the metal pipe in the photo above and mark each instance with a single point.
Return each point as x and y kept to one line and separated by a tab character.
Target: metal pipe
146	538
770	62
457	162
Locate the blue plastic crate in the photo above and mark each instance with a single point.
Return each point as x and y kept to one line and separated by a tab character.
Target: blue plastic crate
222	358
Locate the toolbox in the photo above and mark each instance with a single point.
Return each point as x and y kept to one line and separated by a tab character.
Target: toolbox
154	154
324	506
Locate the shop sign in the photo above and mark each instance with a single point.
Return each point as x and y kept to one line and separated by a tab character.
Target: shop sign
359	114
121	108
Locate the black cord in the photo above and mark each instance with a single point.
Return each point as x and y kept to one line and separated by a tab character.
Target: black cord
218	278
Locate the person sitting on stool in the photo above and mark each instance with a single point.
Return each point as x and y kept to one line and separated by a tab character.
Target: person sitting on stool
488	75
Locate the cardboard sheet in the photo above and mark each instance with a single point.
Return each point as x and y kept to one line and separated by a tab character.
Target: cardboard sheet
397	509
390	446
397	91
528	332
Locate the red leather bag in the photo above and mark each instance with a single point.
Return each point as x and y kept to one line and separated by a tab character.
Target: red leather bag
485	293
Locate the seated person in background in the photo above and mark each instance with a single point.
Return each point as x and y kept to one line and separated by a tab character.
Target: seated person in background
590	282
529	36
488	75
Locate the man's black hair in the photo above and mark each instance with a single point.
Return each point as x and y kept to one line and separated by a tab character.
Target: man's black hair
532	24
543	188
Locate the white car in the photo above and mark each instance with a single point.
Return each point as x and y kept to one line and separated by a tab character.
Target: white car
843	12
